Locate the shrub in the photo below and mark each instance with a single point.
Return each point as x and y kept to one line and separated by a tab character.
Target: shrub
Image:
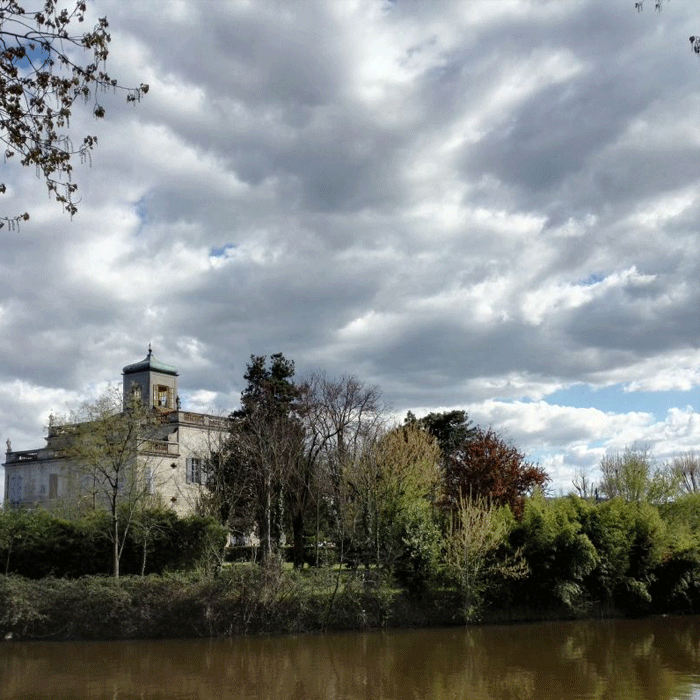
417	564
558	551
630	539
36	544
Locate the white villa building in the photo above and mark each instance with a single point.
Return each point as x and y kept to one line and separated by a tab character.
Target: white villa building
184	439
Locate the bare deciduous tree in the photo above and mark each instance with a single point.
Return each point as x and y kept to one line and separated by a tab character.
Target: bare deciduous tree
634	476
686	468
340	416
112	453
585	488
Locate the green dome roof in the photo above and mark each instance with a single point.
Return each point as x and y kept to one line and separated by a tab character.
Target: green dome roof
149	363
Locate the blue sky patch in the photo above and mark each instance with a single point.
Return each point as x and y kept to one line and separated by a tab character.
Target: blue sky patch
614	399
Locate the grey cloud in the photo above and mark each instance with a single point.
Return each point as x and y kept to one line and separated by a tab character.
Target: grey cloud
331	197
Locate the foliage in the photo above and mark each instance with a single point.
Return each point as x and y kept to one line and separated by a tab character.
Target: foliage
339	417
13	524
40	82
677	584
566	556
400	468
452	429
630	539
684	513
488	468
558	551
634	476
108	447
583	555
474	558
225	493
269	387
343	419
289	446
44	544
243	599
266	445
417	565
175	543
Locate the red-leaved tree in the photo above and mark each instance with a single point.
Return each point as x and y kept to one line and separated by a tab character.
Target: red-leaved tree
487	467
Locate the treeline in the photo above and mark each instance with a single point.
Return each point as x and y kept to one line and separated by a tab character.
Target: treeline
439	504
319	461
612	557
567	557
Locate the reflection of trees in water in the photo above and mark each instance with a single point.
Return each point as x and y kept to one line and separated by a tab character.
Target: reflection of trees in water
615	660
653	659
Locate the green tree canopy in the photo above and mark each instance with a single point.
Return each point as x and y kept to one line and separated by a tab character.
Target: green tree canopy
267	440
452	429
400	468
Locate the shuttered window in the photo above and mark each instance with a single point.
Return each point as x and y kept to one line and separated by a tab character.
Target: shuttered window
194	470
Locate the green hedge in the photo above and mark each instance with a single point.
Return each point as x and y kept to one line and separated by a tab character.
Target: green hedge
36	544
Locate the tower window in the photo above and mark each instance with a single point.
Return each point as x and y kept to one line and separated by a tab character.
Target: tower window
161	396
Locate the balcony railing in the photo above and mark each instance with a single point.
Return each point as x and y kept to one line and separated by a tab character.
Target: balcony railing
33	455
202	420
22	456
160	447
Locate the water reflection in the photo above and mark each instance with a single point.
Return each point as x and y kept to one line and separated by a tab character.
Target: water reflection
656	659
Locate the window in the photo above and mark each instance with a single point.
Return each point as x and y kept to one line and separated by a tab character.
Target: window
194	470
161	396
53	485
15	489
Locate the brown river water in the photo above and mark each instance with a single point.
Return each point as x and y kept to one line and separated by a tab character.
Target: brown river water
653	659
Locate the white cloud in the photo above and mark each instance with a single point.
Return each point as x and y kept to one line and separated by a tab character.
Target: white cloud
565	439
467	204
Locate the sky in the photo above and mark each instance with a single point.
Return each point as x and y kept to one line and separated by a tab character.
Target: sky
485	205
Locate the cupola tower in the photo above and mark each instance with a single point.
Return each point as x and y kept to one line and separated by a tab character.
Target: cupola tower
152	382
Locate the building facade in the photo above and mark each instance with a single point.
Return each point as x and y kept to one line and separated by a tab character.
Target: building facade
173	456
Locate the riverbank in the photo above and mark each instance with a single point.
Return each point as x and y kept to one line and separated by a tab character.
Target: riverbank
240	601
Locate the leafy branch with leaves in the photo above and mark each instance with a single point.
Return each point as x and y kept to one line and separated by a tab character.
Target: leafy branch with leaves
40	82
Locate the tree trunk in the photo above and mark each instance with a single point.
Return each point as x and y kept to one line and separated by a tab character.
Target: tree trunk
115	544
298	535
144	554
268	520
7	562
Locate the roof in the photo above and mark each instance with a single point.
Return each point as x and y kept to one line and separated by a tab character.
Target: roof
150	364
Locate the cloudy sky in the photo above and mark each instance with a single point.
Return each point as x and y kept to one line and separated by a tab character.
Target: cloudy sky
490	205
